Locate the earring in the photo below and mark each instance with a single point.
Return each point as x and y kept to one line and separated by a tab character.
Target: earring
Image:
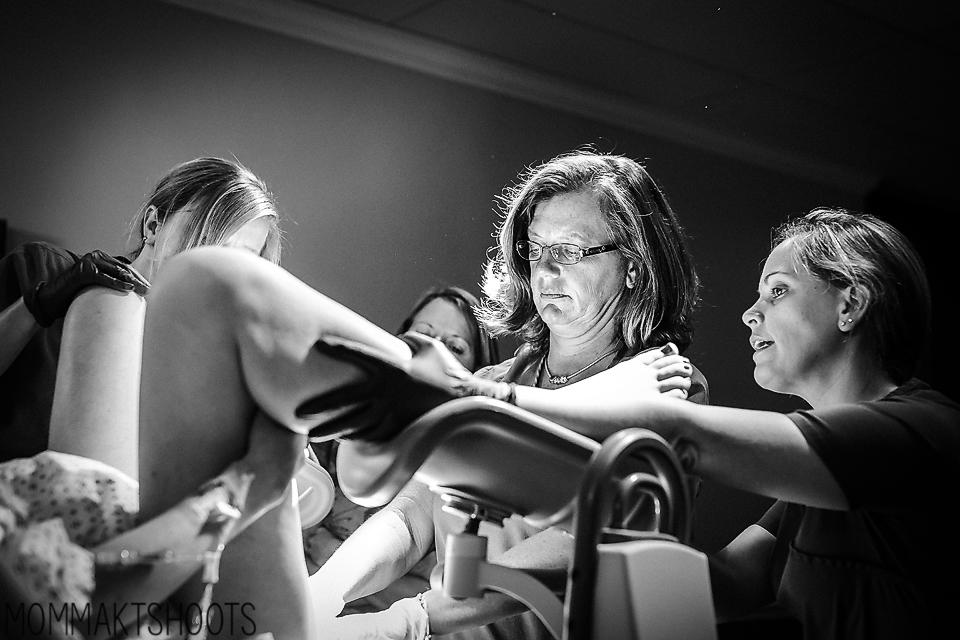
844	322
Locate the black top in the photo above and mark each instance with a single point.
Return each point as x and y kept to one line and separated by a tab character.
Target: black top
887	567
26	387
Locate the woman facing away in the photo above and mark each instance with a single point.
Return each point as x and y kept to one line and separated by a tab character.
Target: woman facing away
206	201
91	411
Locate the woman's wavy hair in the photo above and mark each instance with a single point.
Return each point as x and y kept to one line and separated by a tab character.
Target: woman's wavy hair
219	196
485	350
657	310
846	249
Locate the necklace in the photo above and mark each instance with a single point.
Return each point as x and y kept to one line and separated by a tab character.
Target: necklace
559	380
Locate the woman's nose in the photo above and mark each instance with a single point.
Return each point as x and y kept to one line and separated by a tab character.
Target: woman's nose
751	316
548	263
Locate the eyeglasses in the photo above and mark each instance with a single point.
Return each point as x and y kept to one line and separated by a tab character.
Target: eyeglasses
562	252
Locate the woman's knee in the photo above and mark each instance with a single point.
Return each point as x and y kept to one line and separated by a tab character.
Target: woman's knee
210	274
100	309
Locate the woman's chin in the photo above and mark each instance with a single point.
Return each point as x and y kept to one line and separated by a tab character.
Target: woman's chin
766	380
551	314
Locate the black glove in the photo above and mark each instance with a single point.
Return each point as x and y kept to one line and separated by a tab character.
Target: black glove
49	300
387	397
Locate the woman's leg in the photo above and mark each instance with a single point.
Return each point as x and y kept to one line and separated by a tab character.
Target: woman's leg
227	334
95	401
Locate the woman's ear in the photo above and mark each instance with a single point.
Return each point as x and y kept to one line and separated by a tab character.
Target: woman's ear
151	224
632	273
853	304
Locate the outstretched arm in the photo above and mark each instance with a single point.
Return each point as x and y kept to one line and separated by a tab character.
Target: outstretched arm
758	451
381	550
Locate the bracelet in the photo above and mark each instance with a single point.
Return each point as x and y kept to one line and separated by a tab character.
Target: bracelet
423	605
129	558
218	516
512	394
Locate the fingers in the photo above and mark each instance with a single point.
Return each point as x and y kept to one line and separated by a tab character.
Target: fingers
671	385
112	283
650	356
104	270
673	366
136	278
122	272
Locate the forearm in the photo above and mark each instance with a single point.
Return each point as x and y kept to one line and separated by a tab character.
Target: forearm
376	554
740	574
448	615
17	326
582	413
733	599
382	549
758	451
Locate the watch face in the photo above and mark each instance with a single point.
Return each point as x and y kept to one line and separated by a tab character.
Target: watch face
315	492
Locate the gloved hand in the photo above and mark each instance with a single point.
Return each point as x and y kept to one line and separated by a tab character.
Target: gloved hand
405	620
432	362
49	300
391	394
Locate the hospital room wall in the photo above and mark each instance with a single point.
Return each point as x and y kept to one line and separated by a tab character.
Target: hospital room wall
386	178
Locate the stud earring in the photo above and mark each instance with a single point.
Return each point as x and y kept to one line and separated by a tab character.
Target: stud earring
844	322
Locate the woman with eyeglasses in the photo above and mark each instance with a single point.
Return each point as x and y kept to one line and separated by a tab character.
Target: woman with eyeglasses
232	340
591	269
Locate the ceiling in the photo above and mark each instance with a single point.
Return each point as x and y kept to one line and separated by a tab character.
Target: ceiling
842	91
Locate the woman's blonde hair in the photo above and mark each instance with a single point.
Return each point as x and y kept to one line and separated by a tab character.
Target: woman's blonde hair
219	197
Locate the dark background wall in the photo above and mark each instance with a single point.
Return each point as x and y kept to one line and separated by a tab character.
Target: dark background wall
386	177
